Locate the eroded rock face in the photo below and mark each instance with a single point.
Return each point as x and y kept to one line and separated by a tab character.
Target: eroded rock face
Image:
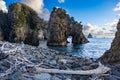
57	28
112	56
90	35
60	26
77	34
4	28
25	24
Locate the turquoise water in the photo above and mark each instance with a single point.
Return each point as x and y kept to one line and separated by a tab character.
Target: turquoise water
94	49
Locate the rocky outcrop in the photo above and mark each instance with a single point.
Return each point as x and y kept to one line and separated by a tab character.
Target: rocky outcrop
1	25
77	34
57	28
25	24
21	23
60	26
112	56
4	26
90	35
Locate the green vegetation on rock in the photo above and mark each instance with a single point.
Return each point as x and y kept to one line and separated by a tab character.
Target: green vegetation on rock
20	24
60	26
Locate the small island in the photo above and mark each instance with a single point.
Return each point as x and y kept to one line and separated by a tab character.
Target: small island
90	35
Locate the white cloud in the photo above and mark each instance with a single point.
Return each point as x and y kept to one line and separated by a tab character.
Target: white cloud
3	6
117	8
61	1
38	6
108	30
112	23
93	29
118	15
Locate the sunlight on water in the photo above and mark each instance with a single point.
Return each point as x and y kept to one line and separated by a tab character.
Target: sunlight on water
94	49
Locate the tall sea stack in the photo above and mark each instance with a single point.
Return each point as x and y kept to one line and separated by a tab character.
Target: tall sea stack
25	24
57	28
112	56
60	26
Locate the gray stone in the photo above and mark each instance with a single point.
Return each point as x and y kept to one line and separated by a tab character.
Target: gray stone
94	65
16	76
86	68
88	62
53	62
3	55
55	78
110	78
62	61
2	68
67	79
42	76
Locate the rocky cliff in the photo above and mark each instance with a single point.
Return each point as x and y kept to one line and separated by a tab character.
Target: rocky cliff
21	23
112	56
25	24
60	26
57	28
77	34
4	26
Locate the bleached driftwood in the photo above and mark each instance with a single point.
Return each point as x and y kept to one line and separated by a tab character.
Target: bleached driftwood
20	59
100	70
9	50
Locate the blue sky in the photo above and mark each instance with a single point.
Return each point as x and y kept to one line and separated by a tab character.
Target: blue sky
94	13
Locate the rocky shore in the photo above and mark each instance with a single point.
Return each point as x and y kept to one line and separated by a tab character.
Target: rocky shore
20	64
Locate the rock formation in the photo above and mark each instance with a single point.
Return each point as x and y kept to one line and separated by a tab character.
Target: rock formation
57	28
4	28
60	26
77	34
24	25
90	35
112	56
21	23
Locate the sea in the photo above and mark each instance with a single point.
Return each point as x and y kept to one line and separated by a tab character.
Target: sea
94	49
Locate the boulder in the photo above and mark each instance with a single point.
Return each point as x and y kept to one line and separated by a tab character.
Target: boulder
42	76
3	55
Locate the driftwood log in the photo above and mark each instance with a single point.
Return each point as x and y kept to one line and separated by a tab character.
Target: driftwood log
100	70
23	60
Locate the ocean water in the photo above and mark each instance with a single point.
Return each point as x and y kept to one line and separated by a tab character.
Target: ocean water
94	49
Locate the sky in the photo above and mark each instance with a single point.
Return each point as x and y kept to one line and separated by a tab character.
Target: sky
98	17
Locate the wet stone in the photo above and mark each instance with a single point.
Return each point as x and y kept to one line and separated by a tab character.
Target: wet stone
110	78
55	78
42	76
